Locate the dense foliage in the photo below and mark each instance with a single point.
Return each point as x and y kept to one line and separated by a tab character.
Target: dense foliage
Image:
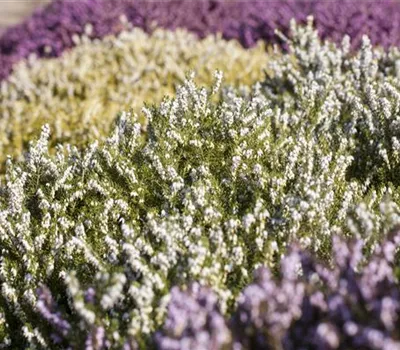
49	31
215	187
80	93
351	305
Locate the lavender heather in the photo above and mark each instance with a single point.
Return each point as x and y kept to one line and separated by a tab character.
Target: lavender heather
49	31
310	306
194	321
46	308
346	307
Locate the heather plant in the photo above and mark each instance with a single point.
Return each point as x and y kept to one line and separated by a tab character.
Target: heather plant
50	30
92	240
354	96
351	304
80	94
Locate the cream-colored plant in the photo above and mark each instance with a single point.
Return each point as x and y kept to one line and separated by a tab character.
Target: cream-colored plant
79	94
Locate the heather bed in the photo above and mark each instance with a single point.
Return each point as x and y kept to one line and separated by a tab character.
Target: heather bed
221	183
50	30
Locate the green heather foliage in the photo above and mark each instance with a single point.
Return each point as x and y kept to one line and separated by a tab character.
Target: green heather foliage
218	185
80	93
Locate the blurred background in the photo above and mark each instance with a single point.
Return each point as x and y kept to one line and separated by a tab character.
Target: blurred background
14	11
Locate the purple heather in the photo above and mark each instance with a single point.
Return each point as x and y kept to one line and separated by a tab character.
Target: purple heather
49	31
353	305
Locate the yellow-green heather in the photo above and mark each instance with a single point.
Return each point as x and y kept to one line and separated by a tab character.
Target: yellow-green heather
80	93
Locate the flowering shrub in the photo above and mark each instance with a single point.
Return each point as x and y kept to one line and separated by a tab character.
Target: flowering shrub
310	306
349	96
218	185
49	31
80	94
